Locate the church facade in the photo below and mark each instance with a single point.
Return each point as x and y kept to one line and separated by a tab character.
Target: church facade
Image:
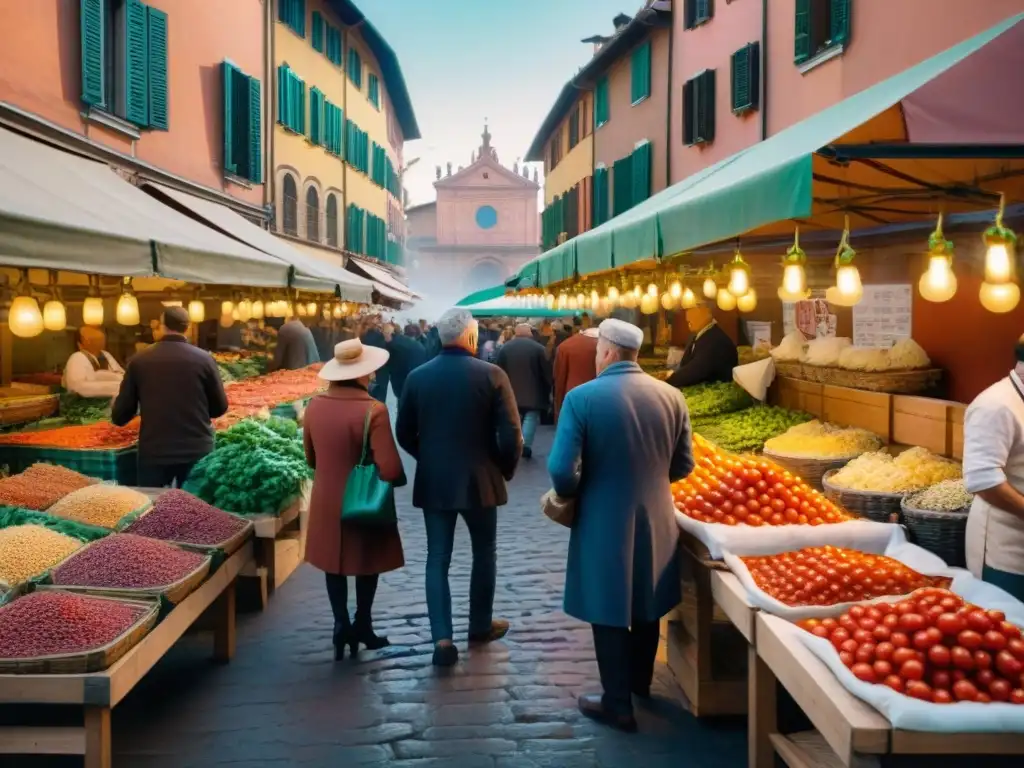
483	226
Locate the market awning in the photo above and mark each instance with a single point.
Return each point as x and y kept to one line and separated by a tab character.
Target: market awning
507	307
486	294
309	274
383	281
881	156
62	211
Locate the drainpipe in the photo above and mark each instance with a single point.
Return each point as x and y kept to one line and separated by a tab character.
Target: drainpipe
269	180
668	104
764	69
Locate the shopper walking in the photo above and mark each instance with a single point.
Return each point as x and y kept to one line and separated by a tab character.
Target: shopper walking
458	419
176	387
407	354
622	439
335	429
526	363
575	364
373	336
296	347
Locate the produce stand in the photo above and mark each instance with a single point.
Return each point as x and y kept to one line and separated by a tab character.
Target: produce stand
99	692
119	465
280	545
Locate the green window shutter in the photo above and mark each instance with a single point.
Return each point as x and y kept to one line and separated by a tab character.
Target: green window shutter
601	107
802	32
318	31
282	94
706	107
157	26
641	173
316	116
839	21
300	106
349	141
255	133
334	45
373	90
746	84
355	68
599	204
703	11
136	62
93	43
640	73
241	104
622	185
229	117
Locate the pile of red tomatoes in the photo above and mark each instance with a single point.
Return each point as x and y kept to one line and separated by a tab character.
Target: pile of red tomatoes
932	646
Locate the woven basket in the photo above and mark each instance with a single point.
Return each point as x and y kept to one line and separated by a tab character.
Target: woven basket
809	470
228	546
175	592
880	507
25	408
891	382
95	660
789	370
941	533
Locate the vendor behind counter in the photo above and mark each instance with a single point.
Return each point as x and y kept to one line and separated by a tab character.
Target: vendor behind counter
710	354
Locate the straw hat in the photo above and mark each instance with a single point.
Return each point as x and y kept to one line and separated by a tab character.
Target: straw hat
353	360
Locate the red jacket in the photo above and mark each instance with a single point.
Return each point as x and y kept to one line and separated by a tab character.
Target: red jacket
575	364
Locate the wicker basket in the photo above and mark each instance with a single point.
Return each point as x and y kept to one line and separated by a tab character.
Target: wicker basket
809	470
880	507
20	409
228	546
941	533
890	382
95	660
789	369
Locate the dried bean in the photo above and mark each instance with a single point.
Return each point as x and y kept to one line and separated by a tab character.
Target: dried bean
31	550
123	560
180	516
102	505
47	623
41	486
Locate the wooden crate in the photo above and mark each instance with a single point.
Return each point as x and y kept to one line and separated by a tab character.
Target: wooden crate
97	693
933	424
280	544
857	408
798	395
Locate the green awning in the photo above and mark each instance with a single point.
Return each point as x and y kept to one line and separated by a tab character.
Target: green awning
494	292
768	182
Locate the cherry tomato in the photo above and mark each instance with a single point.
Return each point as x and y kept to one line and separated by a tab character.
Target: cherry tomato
979	621
941	679
882	669
961	658
864	672
940	656
847	658
902	655
1017	696
941	696
881	633
1016	646
899	639
964	690
919	690
951	624
969	639
820	631
926	638
850	646
1011	631
754	520
884	651
983	678
829	623
983	698
866	653
912	670
912	622
982	660
996	617
891	620
896	683
863	636
993	641
1008	665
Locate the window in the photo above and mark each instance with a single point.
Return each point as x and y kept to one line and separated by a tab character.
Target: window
600	204
696	12
699	108
332	220
746	78
622	185
243	128
293	14
641	173
640	72
356	217
381	164
376	237
290	213
584	124
357	147
124	60
291	100
551	222
601	107
316	116
373	90
333	121
486	217
318	31
574	127
818	26
395	253
555	149
571	214
355	68
333	44
312	215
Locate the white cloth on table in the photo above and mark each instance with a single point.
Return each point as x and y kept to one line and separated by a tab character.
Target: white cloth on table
81	377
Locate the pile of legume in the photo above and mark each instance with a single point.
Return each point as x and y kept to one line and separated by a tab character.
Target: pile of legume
102	505
180	516
49	623
31	550
41	486
947	496
123	560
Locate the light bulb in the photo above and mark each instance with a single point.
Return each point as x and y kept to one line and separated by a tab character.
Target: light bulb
300	310
25	319
344	308
604	307
563	300
794	283
127	311
652	290
572	303
258	310
747	302
581	299
311	309
668	301
688	300
595	297
55	317
938	283
196	311
848	280
244	310
998	264
999	297
227	307
834	296
739	280
92	310
628	300
710	288
549	300
676	289
613	294
726	301
648	304
637	291
336	312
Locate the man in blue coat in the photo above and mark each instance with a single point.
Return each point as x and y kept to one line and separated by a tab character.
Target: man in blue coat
622	439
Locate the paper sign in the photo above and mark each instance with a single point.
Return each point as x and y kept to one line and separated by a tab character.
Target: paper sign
814	320
759	333
883	316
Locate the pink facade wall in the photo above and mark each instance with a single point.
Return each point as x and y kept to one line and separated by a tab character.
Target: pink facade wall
515	202
710	46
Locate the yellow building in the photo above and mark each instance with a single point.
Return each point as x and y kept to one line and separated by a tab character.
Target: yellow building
341	114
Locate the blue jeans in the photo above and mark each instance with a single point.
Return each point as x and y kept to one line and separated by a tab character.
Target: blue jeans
530	420
1008	582
483	525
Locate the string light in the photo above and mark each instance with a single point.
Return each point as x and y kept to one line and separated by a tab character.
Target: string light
127	311
747	302
848	290
794	272
1001	243
739	276
710	288
196	311
938	283
726	301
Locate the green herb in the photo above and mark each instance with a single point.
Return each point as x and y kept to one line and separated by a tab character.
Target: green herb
747	430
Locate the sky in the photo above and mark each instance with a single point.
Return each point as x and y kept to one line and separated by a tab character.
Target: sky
467	60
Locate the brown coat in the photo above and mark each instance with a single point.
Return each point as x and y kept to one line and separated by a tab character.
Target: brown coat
575	364
333	438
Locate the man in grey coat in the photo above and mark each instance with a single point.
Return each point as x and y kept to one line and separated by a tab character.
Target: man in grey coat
296	347
622	439
526	363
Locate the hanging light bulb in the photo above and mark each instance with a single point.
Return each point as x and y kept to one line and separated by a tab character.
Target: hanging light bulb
549	300
613	295
938	283
725	300
604	307
628	300
196	311
24	318
1000	252
344	308
581	299
648	304
739	276
676	290
563	300
668	301
595	297
637	292
244	310
127	311
227	307
311	309
688	300
235	317
652	290
710	288
999	297
55	316
300	310
572	303
92	310
258	310
848	288
794	272
747	302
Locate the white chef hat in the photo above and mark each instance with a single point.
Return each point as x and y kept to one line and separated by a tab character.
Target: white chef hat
621	334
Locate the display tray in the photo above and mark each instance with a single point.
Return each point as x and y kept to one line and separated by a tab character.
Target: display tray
228	546
908	382
23	408
119	465
95	660
880	507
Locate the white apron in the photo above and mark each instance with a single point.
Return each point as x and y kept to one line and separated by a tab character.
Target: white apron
996	538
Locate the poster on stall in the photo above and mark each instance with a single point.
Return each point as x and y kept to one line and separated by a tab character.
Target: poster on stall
814	320
759	333
883	316
789	315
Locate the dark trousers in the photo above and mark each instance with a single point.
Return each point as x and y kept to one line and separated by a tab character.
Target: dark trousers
337	593
379	387
483	528
163	475
625	659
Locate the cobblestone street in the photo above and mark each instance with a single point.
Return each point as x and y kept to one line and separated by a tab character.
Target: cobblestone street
284	701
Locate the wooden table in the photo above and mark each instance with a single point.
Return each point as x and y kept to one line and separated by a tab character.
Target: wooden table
280	547
99	692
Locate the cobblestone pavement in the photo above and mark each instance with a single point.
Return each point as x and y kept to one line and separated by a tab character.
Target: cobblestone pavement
283	701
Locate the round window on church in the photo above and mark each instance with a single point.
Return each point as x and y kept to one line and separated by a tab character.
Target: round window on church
486	217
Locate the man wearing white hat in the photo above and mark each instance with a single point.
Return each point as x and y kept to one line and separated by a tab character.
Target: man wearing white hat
622	439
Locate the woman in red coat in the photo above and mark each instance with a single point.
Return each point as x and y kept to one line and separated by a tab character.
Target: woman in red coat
333	437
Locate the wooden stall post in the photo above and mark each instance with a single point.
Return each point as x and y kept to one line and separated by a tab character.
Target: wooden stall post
762	720
98	749
224	625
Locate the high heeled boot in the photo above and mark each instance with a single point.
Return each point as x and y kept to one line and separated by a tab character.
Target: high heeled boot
362	627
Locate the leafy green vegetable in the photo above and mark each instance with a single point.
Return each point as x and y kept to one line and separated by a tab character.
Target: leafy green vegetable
747	430
75	409
243	368
707	400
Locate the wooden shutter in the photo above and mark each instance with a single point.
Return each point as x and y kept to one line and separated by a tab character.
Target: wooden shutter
839	21
136	62
316	116
746	83
622	185
240	108
641	173
255	133
599	207
157	27
802	31
706	106
689	13
704	10
689	112
93	44
318	32
227	82
601	106
640	73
